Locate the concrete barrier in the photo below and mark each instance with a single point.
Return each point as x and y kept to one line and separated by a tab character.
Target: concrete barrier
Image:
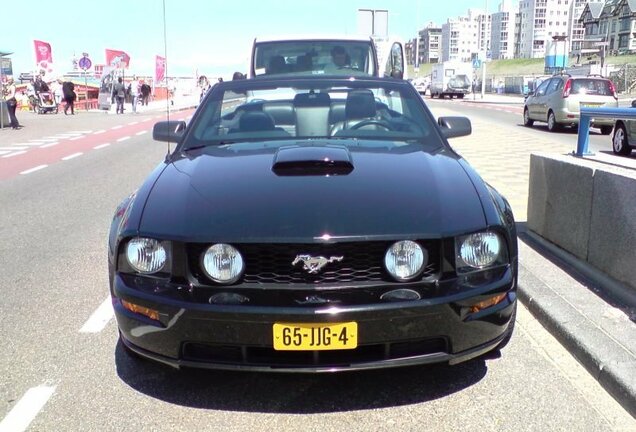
586	207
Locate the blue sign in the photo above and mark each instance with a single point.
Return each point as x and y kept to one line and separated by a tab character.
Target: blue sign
476	63
85	63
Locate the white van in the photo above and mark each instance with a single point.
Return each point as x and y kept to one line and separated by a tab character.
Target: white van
326	55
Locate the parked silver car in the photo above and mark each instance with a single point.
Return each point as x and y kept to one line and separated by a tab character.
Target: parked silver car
558	101
624	139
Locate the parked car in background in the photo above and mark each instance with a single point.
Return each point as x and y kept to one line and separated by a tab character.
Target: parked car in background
624	139
313	224
422	84
557	101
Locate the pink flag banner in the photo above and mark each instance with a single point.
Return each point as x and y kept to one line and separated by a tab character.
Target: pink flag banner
118	59
160	69
43	55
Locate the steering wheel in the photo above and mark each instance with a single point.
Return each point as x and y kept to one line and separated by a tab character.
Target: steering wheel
381	123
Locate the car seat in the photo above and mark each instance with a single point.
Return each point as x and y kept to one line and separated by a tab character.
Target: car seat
360	106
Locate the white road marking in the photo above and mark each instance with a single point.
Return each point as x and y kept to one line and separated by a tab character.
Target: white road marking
2	152
13	148
49	145
81	132
43	140
23	413
14	154
76	138
37	168
141	133
37	144
123	139
117	127
132	123
98	320
101	146
99	132
74	155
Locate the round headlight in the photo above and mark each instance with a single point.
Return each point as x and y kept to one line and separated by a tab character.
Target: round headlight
146	255
480	250
223	263
405	259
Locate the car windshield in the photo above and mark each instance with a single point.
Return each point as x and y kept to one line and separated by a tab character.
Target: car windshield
314	58
275	110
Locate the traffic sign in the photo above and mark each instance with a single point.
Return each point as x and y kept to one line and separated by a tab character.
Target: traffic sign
85	63
476	63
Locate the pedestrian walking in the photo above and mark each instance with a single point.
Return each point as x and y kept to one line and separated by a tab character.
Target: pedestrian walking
68	91
134	93
8	93
57	91
119	90
145	93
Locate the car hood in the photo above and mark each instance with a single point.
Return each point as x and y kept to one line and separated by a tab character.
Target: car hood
238	196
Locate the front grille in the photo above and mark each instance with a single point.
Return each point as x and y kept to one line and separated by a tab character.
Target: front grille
265	356
272	263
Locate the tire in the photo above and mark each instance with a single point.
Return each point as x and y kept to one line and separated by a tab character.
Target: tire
606	130
527	121
620	146
461	96
553	126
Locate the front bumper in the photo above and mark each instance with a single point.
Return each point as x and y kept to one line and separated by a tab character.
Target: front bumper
389	334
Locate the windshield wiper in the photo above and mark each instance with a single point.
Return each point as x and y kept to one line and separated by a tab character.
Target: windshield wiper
219	143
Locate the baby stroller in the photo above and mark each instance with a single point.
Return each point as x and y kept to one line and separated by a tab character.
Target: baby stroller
45	102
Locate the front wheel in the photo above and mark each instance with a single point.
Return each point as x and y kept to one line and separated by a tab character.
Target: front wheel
527	121
620	146
553	126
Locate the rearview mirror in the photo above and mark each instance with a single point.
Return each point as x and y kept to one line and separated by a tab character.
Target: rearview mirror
169	131
455	126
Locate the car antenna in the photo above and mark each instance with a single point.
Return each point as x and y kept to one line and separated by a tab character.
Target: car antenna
165	73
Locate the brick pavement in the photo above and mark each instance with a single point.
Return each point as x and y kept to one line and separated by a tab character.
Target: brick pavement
502	157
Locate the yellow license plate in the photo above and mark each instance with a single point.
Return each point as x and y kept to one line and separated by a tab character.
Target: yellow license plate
312	336
591	105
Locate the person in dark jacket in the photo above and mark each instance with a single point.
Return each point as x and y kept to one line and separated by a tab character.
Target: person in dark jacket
120	93
145	93
68	92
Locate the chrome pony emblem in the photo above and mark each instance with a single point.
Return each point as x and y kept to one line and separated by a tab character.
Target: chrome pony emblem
314	264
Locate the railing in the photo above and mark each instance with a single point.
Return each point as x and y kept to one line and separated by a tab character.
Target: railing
587	114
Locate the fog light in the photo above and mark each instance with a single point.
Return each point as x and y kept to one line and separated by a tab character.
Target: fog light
142	310
487	303
400	295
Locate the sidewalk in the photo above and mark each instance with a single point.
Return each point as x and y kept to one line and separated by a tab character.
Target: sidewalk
624	100
576	302
179	103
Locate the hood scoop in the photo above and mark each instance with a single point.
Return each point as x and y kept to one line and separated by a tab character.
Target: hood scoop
312	161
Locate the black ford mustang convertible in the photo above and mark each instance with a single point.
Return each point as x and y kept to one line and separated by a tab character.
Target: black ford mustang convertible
313	225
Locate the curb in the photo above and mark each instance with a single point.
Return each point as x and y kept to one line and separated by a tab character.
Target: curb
602	355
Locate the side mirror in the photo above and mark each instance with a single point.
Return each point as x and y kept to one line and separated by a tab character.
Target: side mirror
531	93
455	126
634	103
168	131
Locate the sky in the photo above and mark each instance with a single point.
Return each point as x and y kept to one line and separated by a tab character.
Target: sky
206	37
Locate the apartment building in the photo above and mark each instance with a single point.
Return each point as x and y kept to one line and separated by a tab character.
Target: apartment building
611	26
462	36
429	43
503	32
541	22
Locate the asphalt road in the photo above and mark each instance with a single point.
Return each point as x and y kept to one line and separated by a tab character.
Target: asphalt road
61	368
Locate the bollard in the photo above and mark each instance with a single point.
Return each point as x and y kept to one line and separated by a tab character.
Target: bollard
583	139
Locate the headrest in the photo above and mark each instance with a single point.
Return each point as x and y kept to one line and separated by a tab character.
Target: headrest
360	104
251	121
312	100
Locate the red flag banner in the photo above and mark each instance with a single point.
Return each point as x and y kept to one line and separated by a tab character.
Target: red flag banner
117	58
43	54
160	69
